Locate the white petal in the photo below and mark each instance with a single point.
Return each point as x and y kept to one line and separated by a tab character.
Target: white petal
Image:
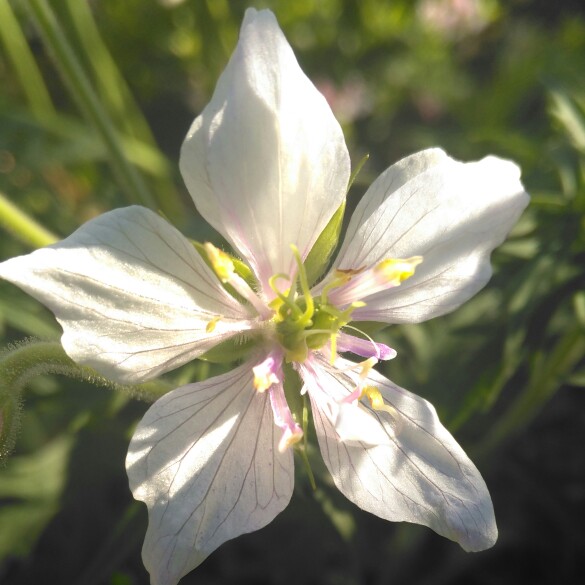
205	461
266	162
419	474
452	214
356	424
132	294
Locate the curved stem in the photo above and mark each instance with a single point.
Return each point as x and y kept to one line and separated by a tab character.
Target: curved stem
23	362
23	227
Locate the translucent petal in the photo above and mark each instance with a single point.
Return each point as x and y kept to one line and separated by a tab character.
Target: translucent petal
266	162
355	424
205	461
132	294
418	473
452	214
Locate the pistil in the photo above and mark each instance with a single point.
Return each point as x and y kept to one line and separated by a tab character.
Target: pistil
303	323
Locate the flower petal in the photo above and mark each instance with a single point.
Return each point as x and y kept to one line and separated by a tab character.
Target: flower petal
266	162
355	424
205	461
452	214
417	474
132	294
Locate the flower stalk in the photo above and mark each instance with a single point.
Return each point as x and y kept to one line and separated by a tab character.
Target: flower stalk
22	226
29	359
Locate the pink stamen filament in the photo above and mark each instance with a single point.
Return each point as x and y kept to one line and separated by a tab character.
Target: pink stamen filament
283	418
364	347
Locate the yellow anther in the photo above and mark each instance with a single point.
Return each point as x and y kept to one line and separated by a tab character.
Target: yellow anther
395	271
377	401
264	378
211	325
289	438
374	396
221	262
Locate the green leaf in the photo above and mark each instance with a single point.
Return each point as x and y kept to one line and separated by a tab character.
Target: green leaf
356	171
34	484
320	253
342	520
567	112
82	91
550	370
25	315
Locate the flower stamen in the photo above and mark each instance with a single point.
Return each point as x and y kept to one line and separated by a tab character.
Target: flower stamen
268	372
305	288
225	270
210	327
377	402
394	272
303	323
364	371
363	347
350	286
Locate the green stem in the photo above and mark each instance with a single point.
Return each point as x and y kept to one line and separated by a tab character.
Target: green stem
547	377
24	64
108	81
110	553
304	449
22	363
18	365
137	139
23	227
77	81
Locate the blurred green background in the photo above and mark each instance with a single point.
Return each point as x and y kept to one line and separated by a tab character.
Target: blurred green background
95	100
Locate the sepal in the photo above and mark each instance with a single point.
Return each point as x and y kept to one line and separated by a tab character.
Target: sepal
320	254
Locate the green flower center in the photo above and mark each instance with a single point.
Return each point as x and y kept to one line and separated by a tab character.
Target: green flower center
299	322
304	323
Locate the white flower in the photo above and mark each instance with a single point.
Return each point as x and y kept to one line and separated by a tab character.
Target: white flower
267	166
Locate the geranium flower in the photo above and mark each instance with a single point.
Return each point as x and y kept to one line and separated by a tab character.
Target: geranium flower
267	167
